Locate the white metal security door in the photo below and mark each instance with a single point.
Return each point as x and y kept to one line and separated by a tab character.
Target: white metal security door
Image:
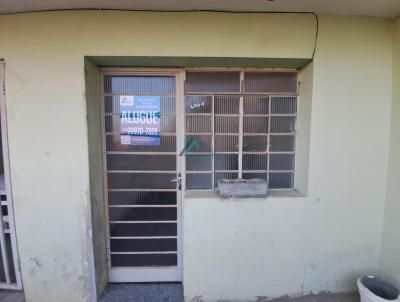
10	277
142	173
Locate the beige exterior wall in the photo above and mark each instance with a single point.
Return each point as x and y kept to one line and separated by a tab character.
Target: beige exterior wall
324	241
390	261
233	250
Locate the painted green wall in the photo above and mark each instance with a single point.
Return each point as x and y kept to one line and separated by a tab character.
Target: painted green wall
390	260
272	247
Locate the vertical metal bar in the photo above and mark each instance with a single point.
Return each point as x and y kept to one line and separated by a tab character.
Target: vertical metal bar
240	157
213	142
269	136
181	129
181	163
240	137
6	178
296	137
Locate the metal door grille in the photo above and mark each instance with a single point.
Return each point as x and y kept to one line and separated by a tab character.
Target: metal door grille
142	195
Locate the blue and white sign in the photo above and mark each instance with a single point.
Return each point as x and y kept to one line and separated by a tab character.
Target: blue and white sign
140	120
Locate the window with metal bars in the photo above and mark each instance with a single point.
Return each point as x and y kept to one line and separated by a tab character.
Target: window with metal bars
240	124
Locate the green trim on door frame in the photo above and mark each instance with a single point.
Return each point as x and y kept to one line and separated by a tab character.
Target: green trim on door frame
114	61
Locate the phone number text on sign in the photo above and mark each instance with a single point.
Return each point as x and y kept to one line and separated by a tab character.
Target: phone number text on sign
140	131
140	120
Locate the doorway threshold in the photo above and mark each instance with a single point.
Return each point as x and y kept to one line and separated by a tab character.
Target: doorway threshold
143	292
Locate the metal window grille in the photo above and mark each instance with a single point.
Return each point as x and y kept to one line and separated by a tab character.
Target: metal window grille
240	124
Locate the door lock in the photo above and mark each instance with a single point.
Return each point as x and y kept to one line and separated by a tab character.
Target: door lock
178	179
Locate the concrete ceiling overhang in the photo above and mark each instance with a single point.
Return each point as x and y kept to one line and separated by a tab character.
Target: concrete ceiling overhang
377	8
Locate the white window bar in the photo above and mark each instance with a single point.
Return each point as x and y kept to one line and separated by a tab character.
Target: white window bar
213	141
269	135
240	155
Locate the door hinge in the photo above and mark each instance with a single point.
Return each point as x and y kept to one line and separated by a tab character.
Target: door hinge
3	88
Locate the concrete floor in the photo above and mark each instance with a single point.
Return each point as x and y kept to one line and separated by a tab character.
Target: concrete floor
323	297
174	293
158	292
11	296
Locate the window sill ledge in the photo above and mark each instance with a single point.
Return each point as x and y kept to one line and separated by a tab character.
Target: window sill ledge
271	194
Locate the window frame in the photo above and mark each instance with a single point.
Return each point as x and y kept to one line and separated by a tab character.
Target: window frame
242	94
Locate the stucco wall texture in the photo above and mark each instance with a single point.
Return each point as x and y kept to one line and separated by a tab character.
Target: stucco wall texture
324	241
390	260
232	250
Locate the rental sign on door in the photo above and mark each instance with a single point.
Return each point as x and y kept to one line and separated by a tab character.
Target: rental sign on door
140	120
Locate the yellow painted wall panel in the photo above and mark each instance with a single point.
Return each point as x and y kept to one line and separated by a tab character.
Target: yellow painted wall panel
272	247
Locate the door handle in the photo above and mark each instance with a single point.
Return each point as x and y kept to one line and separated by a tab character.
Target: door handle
178	180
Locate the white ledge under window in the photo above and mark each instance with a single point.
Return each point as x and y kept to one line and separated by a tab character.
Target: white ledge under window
271	194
